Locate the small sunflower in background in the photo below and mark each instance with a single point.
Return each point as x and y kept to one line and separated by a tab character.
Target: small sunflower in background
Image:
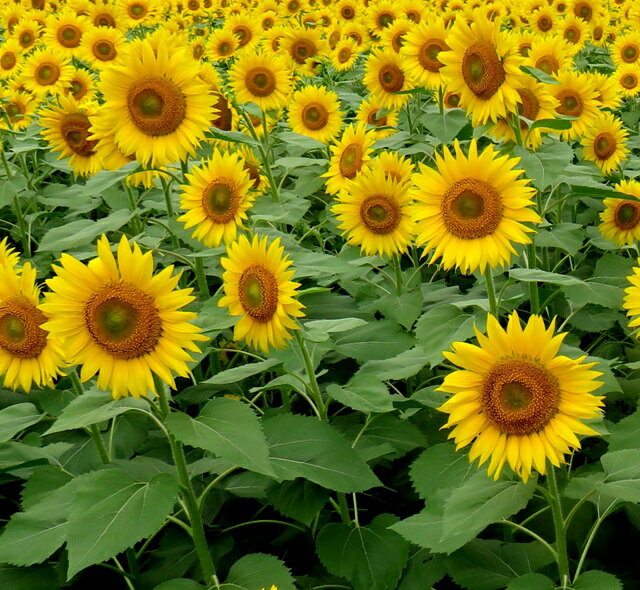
626	49
63	33
349	156
385	76
621	217
45	72
258	287
29	355
393	36
102	46
575	32
631	301
19	108
421	48
11	59
81	85
66	130
577	97
515	400
550	54
139	12
106	15
380	15
544	21
382	120
121	320
216	198
315	112
26	33
472	209
344	55
628	79
398	167
303	47
605	143
608	92
261	78
374	210
245	30
221	44
158	106
483	68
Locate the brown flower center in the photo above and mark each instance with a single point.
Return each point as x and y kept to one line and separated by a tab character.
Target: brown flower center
315	116
20	332
258	292
629	81
344	55
385	19
137	10
428	54
451	100
123	320
571	103
627	214
47	73
223	118
302	49
78	89
347	12
629	54
27	39
8	60
243	33
604	145
471	209
545	23
482	70
583	10
391	78
104	20
520	397
104	50
548	64
156	105
69	36
376	119
380	214
572	34
529	107
220	200
260	81
74	127
351	160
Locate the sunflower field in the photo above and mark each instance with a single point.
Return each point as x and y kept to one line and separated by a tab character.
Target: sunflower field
319	294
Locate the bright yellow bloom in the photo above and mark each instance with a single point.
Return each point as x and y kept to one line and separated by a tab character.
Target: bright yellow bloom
605	142
315	112
621	217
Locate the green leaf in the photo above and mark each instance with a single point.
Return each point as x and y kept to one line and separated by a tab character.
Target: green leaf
624	434
28	578
291	163
389	430
371	557
299	499
532	582
404	365
547	164
439	327
93	407
319	330
379	339
81	232
16	418
112	511
423	571
231	136
445	127
363	393
289	210
491	565
179	584
539	75
227	428
105	179
545	124
566	236
622	469
533	275
258	570
239	373
302	446
595	293
597	580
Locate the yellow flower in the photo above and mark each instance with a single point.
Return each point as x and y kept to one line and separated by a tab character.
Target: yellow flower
550	54
81	85
26	33
621	217
372	112
20	109
576	96
11	59
626	49
574	31
516	400
315	112
102	46
303	47
259	288
8	256
631	301
120	320
628	79
393	36
385	75
222	44
45	72
344	55
28	354
605	143
63	33
471	210
216	199
106	15
374	210
421	47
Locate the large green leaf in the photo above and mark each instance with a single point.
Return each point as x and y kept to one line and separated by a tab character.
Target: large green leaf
371	557
16	418
111	511
379	339
228	428
439	327
532	582
299	499
622	469
28	578
363	393
302	446
597	580
242	372
257	571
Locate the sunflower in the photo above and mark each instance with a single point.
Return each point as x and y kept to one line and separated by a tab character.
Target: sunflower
8	256
28	354
45	72
253	166
120	320
626	49
399	168
63	33
577	98
344	55
261	78
605	143
160	109
348	10
372	112
414	10
621	217
374	210
600	29
245	29
315	112
608	91
81	85
550	54
586	9
537	103
393	37
544	21
140	12
259	288
268	19
10	59
516	400
472	208
304	46
66	130
421	48
106	15
628	79
381	14
102	46
349	156
385	76
631	301
216	199
357	32
483	68
26	33
19	108
574	31
222	44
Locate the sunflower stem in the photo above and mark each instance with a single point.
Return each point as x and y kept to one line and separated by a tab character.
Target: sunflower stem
93	431
314	388
558	524
441	100
5	163
491	291
398	272
201	278
534	298
24	235
517	130
189	497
